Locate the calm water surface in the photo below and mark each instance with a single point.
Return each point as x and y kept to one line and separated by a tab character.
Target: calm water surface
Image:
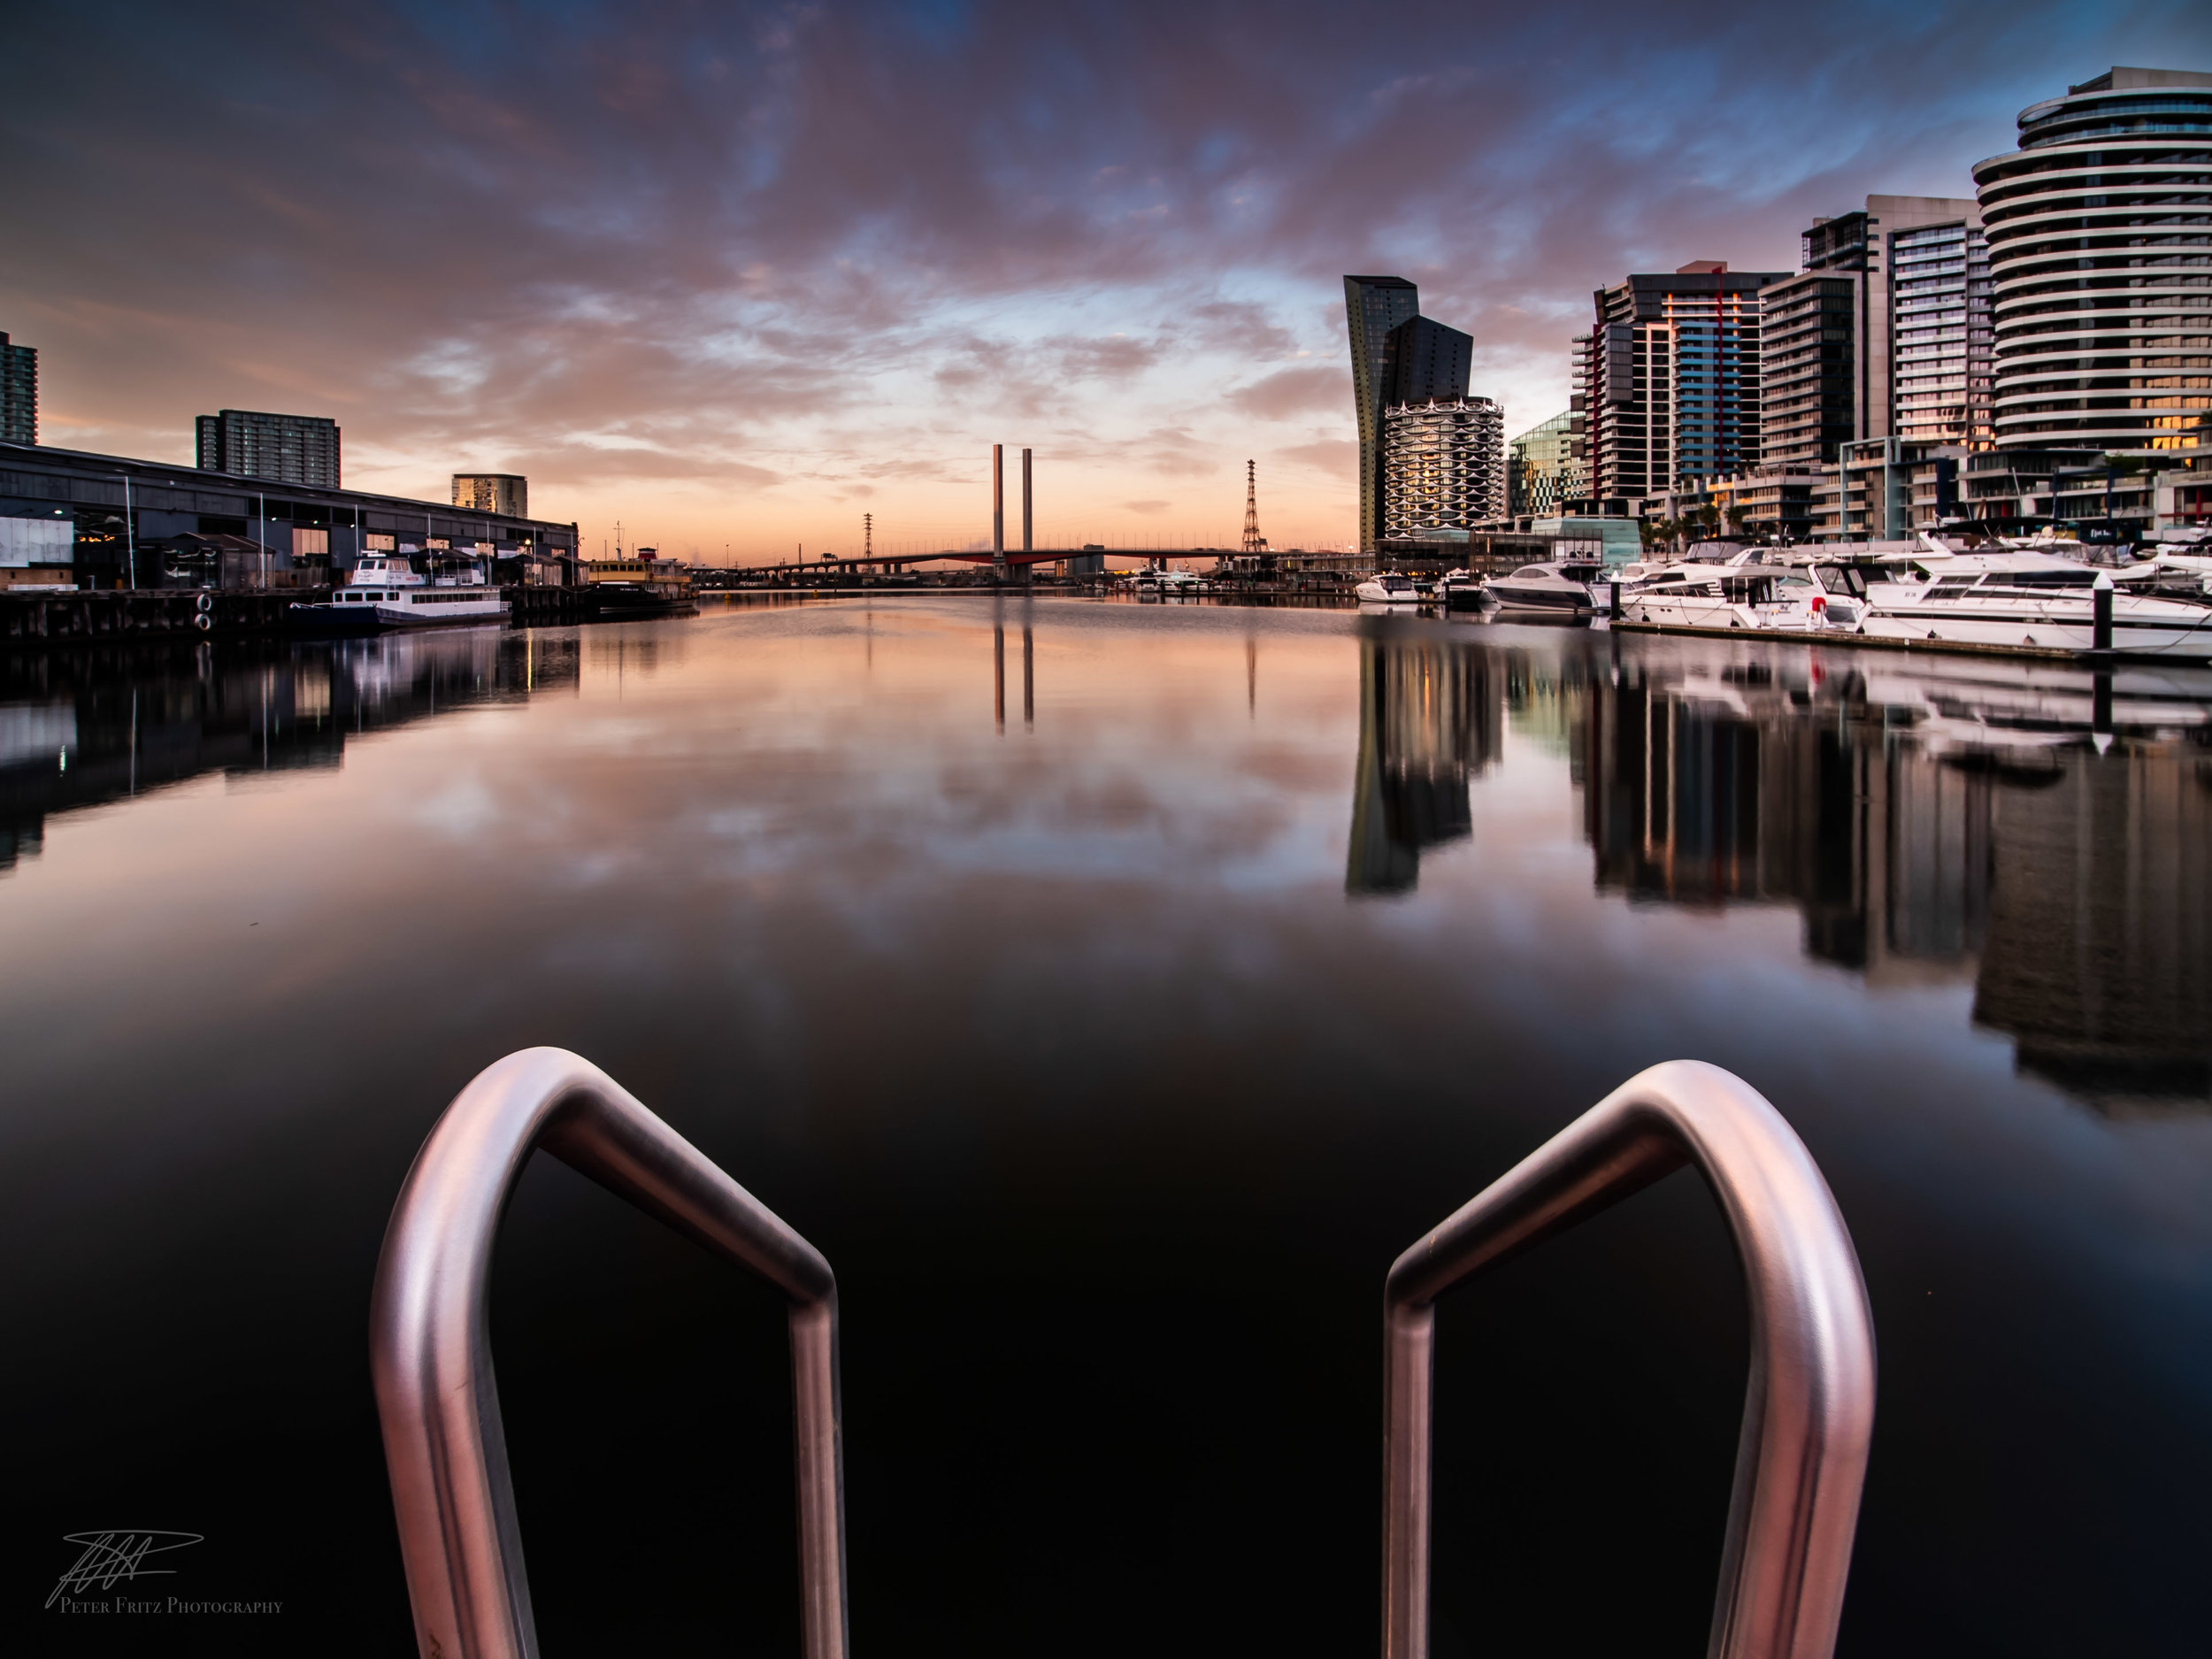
1110	991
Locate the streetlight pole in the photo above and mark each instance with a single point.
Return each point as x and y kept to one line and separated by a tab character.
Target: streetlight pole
130	532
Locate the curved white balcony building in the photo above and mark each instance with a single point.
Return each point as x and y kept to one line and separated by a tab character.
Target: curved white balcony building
1443	466
2100	230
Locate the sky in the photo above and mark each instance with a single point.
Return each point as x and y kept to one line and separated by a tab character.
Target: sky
732	276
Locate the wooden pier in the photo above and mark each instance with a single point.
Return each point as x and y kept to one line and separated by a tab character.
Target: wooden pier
58	617
64	616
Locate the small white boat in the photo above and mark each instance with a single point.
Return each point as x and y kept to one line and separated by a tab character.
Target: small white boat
386	591
1459	590
1388	587
1160	584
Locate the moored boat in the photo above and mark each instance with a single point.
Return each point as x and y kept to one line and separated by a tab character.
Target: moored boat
1388	587
643	585
1560	588
1459	590
1997	607
1741	596
386	591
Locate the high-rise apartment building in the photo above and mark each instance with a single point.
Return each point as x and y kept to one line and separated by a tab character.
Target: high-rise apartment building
2099	232
1809	372
1443	466
1919	348
19	393
1545	467
284	449
1939	333
1373	306
1670	378
506	493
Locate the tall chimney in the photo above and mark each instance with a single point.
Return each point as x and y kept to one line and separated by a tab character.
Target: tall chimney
1025	501
998	504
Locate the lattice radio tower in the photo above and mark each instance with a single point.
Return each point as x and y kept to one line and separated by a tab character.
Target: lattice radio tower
867	535
1254	542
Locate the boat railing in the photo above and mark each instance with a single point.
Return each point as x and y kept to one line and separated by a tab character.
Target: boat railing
1808	1410
430	1340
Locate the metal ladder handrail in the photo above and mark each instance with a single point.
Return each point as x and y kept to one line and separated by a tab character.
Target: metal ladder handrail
1808	1410
430	1351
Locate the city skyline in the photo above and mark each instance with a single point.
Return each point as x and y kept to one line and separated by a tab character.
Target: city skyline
678	275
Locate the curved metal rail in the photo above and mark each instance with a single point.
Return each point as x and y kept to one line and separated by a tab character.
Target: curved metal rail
431	1355
1808	1412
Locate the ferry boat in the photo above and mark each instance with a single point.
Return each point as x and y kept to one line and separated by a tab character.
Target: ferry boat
1388	587
386	591
644	586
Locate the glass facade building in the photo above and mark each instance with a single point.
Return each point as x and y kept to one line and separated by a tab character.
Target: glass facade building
1443	466
2099	230
1545	466
1373	307
284	449
1716	379
19	393
507	493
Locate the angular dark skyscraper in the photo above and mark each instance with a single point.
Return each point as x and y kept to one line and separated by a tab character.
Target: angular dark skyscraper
1373	305
1424	361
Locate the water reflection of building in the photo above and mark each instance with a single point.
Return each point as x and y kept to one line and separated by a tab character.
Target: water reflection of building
1431	719
2074	888
2099	955
1731	791
83	728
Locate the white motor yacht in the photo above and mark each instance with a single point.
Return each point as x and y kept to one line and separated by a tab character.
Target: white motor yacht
1562	588
386	591
1388	587
1995	607
1740	594
2025	597
2177	573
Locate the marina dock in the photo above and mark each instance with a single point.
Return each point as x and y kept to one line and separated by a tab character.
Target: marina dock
1958	648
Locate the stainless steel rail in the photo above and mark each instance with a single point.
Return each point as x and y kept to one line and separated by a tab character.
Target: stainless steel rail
1808	1412
431	1355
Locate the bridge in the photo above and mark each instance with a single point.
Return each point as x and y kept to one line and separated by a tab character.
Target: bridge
1010	559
